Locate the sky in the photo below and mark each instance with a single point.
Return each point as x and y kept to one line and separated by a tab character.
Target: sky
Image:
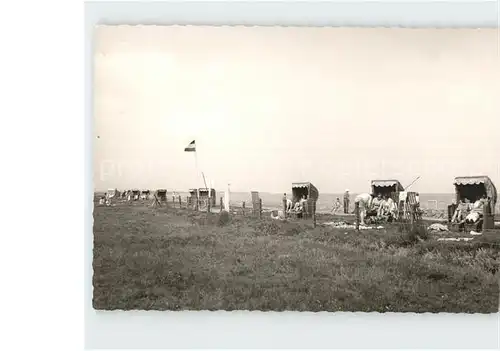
269	106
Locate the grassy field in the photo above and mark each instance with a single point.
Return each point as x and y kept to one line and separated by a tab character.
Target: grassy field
175	259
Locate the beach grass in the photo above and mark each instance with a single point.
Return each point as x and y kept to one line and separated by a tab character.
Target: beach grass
175	259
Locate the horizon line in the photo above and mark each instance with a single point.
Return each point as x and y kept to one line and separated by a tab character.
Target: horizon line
261	192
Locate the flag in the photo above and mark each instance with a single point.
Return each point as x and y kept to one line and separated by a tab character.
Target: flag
191	147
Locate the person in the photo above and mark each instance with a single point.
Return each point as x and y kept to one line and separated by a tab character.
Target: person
277	214
461	212
297	207
476	212
336	206
102	200
346	201
392	208
303	199
303	203
478	205
485	200
364	202
383	209
376	204
387	208
107	198
288	203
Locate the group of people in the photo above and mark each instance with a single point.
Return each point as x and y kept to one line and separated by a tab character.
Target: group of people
105	200
467	212
381	207
127	194
337	206
297	207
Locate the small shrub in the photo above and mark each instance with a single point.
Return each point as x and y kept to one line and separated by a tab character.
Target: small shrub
289	229
268	228
223	219
414	232
409	235
419	232
487	260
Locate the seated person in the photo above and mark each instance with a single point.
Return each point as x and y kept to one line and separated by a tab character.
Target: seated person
277	214
393	207
336	206
382	209
476	212
303	203
375	206
303	199
387	208
297	207
485	200
461	212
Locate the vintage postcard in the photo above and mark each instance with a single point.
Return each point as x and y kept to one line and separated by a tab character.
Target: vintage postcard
296	169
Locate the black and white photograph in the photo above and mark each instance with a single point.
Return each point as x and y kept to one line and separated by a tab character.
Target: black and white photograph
318	169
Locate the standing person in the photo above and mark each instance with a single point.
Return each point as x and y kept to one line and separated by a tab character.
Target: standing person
287	202
346	201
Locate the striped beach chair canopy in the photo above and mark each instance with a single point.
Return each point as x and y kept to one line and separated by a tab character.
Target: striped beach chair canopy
472	186
392	184
304	188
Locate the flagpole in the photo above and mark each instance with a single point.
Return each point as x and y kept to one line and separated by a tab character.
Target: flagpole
196	160
198	169
193	147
